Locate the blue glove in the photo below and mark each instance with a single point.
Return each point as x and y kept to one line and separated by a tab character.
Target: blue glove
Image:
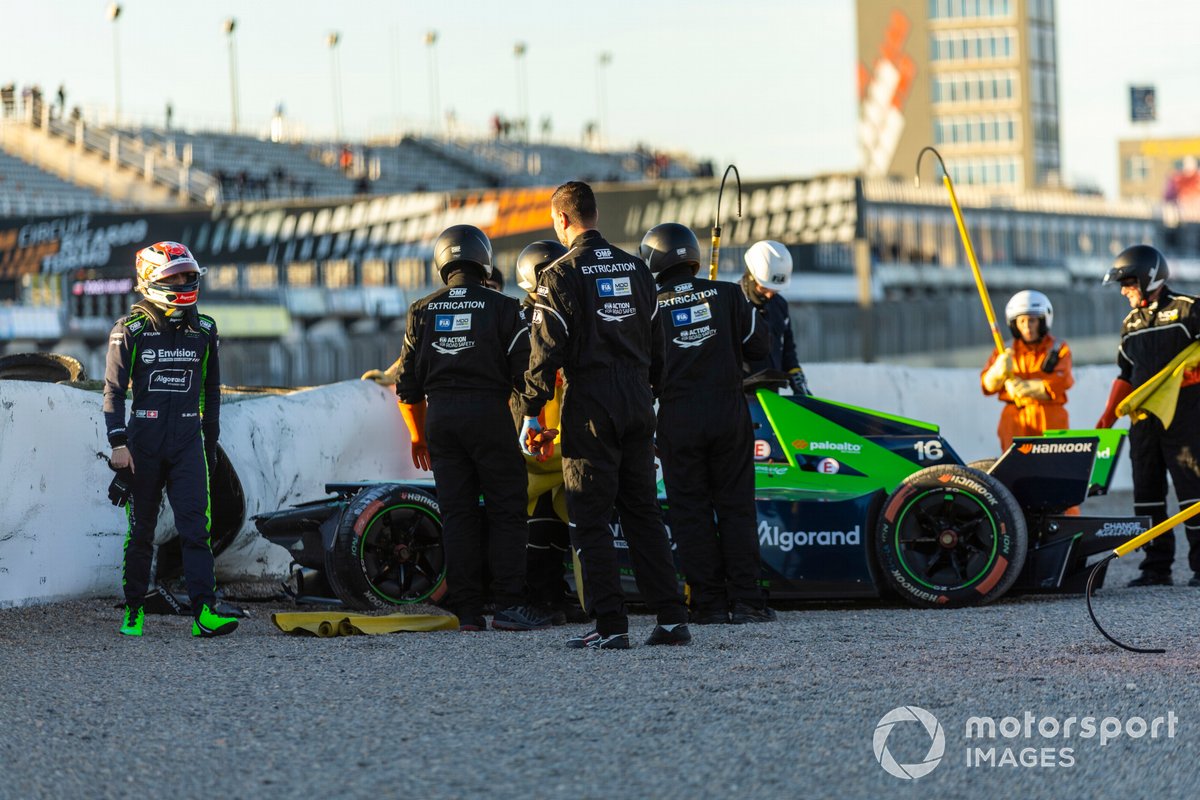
799	382
529	430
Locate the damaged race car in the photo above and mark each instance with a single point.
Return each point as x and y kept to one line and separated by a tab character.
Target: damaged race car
851	504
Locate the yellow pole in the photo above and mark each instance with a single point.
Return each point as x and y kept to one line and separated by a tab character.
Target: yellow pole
966	240
716	249
988	311
716	229
1157	530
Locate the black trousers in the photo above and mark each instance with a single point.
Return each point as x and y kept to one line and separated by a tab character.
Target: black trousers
184	473
608	461
474	452
549	541
707	448
1155	453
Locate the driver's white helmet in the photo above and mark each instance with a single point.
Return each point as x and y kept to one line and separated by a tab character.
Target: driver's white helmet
770	264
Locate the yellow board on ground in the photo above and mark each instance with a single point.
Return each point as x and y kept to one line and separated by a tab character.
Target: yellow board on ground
325	624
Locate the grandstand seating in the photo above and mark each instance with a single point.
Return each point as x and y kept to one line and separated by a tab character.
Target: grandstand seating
258	169
28	190
249	168
538	164
261	169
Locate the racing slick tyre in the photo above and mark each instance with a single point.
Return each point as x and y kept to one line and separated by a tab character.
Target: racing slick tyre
43	367
387	550
950	536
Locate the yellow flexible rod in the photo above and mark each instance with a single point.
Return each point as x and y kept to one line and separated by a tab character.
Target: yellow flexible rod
1160	528
966	240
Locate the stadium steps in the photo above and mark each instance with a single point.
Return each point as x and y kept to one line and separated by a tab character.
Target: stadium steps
46	173
248	168
478	173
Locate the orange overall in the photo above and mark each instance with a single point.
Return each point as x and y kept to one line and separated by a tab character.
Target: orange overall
1034	400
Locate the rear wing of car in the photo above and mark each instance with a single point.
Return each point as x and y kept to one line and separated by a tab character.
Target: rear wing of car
1049	474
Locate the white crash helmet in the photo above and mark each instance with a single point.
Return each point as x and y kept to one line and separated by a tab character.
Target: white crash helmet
1032	303
164	259
770	264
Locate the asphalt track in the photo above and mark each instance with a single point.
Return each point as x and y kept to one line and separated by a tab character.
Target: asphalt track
769	711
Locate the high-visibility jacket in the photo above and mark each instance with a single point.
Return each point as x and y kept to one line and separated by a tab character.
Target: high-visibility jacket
1046	363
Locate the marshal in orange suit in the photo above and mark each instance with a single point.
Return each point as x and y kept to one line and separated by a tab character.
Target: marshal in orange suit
1031	377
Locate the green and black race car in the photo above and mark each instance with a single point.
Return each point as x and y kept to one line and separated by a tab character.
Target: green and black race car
851	504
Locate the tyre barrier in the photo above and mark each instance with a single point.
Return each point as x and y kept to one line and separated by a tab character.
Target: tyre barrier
41	367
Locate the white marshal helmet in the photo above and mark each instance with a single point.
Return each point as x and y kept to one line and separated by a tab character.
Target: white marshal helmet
1035	304
770	264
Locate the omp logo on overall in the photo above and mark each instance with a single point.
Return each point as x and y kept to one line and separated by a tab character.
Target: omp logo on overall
452	322
603	252
170	380
614	287
687	316
452	345
458	292
1047	448
772	536
937	742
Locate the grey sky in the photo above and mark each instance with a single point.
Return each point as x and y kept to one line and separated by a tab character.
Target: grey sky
768	84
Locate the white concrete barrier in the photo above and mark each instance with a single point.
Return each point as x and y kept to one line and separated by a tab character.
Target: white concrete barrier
60	537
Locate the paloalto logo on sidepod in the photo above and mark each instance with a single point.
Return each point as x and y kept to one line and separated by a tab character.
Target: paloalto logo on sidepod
937	745
827	447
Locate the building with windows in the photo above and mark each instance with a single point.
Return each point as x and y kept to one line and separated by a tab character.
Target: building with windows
1162	170
975	78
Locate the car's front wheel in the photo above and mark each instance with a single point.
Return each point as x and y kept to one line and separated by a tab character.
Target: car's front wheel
388	549
950	536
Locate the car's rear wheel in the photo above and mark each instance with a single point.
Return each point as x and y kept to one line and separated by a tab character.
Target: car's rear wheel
950	536
388	549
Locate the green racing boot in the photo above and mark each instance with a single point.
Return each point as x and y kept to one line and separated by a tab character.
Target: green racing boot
209	623
131	621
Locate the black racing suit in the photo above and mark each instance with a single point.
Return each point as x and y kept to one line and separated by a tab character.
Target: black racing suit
597	319
706	437
1150	338
781	353
549	536
174	368
466	348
